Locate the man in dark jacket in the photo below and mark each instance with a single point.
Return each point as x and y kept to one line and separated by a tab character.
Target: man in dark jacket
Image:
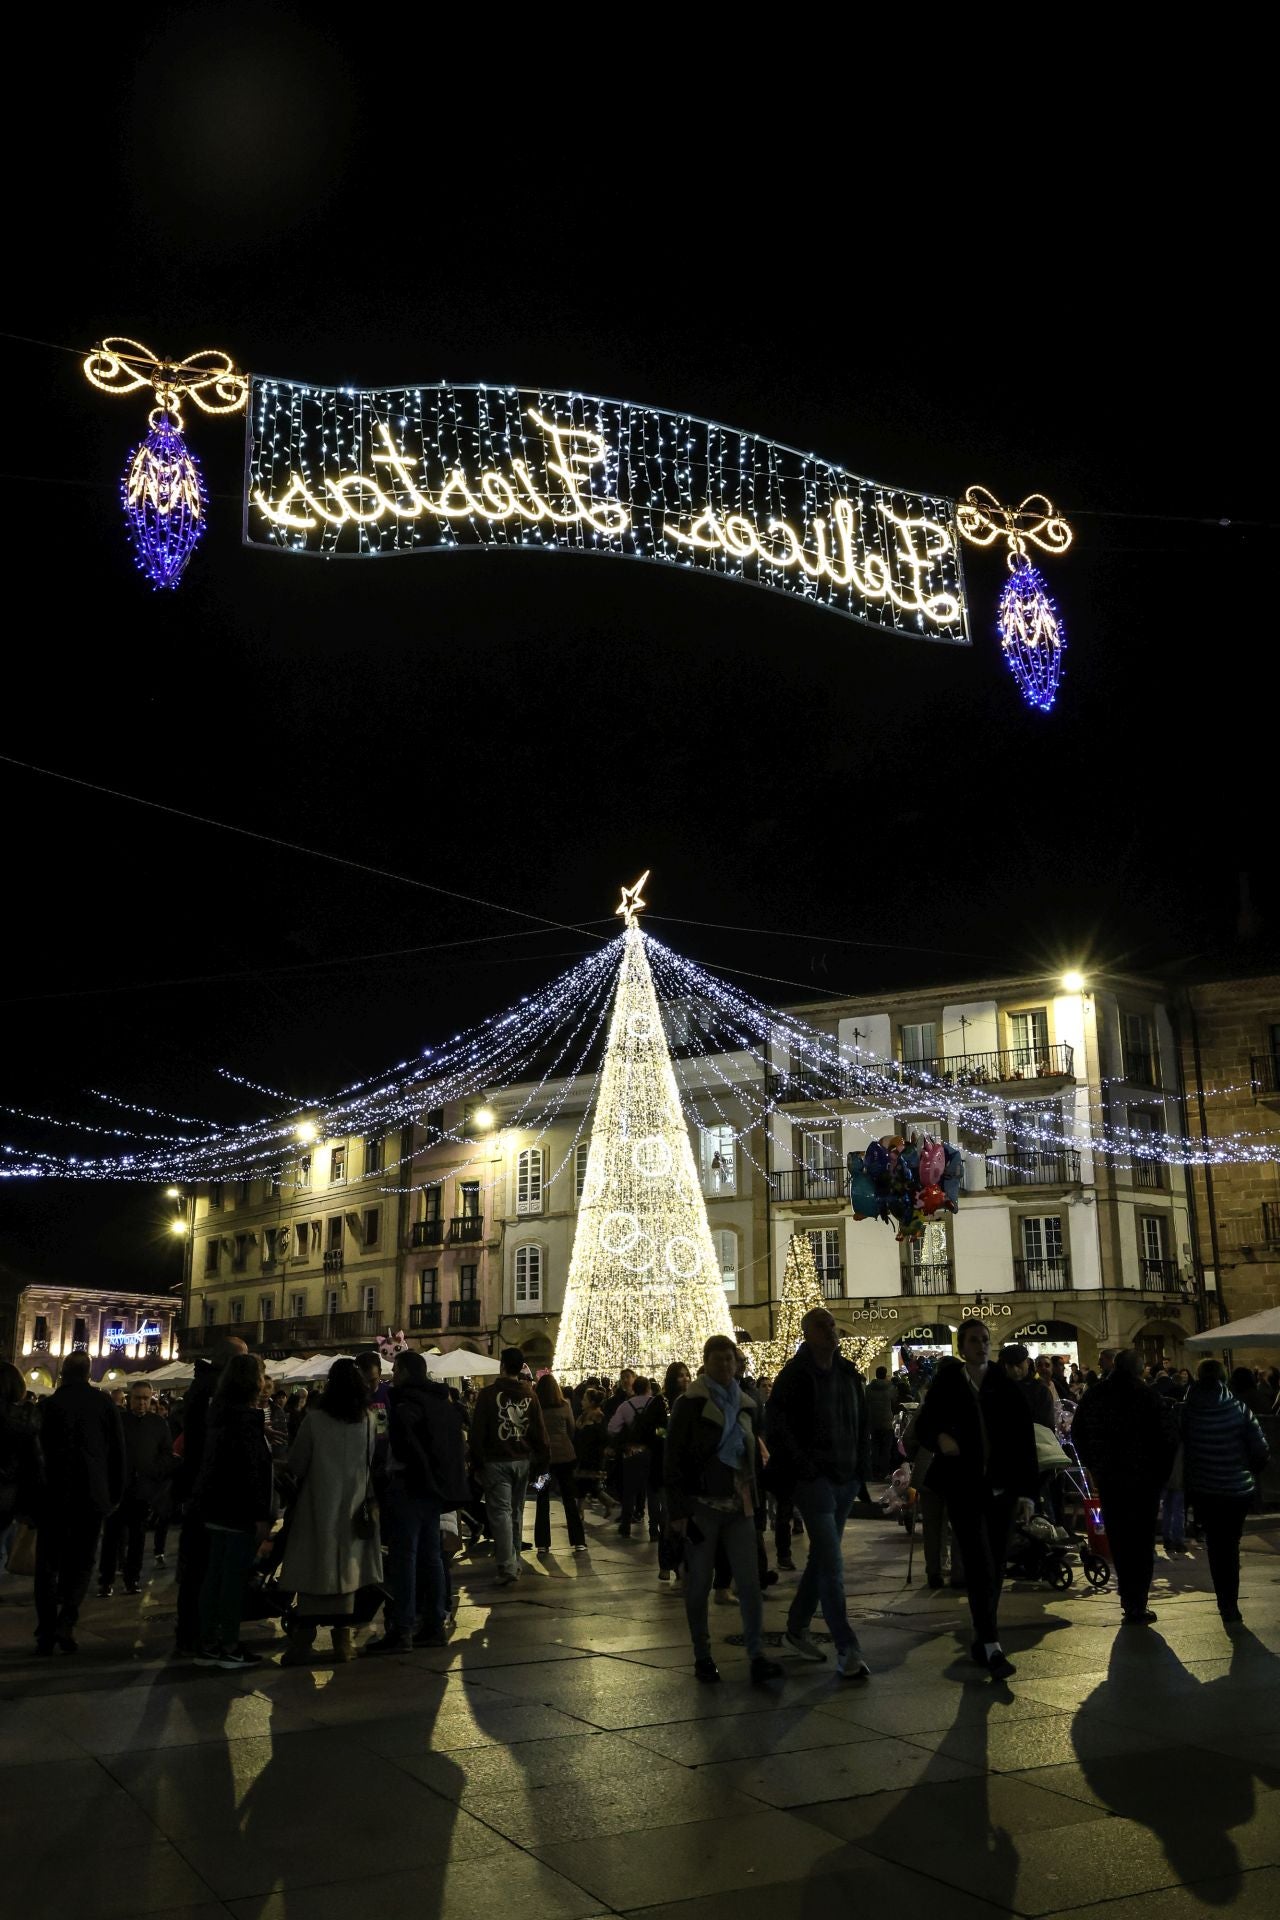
820	1443
425	1476
979	1430
193	1542
1016	1362
84	1471
149	1458
1126	1434
882	1404
508	1436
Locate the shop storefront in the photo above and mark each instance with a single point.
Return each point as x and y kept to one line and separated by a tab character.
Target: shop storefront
1058	1338
923	1345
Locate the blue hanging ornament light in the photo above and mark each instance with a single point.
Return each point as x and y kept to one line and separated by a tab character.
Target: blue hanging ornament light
1027	620
162	489
165	504
1031	633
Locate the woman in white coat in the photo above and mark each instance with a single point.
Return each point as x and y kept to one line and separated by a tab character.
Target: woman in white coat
332	1548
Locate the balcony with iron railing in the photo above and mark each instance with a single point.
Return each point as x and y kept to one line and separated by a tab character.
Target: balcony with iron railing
1043	1276
333	1260
1147	1173
810	1186
1033	1169
464	1313
425	1315
466	1228
1264	1071
1141	1069
831	1280
1161	1276
997	1067
427	1233
927	1277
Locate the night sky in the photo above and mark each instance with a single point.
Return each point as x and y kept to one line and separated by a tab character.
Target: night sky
870	811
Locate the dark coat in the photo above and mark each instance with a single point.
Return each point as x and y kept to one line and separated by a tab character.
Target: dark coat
195	1426
426	1436
508	1424
1126	1434
793	1428
82	1445
692	1466
149	1455
951	1406
235	1487
20	1465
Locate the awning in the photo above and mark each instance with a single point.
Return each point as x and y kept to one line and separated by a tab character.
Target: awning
1257	1330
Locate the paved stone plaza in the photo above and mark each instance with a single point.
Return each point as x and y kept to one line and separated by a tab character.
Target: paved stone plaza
558	1760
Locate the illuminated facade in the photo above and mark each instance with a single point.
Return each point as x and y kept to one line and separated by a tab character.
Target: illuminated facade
473	1215
303	1263
123	1333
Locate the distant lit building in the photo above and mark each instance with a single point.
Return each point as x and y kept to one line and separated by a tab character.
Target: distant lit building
123	1333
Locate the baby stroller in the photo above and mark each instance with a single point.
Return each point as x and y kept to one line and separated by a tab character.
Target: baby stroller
1040	1548
1095	1556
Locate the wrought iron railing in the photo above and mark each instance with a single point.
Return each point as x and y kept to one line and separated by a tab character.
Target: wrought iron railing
464	1313
1033	1169
1271	1223
1141	1069
1264	1071
427	1233
1160	1276
467	1227
998	1066
1043	1276
333	1260
425	1314
928	1276
806	1185
1147	1173
831	1280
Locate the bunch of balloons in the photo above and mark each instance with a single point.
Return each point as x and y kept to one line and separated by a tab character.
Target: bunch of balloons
894	1180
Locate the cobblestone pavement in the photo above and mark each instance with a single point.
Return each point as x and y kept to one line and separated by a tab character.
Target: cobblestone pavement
557	1760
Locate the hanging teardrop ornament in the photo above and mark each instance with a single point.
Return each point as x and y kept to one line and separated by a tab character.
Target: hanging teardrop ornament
162	489
164	498
1031	633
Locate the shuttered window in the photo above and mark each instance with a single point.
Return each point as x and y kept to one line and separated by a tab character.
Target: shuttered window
529	1180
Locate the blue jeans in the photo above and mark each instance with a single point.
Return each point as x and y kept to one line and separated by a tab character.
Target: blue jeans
415	1569
505	1482
824	1507
736	1533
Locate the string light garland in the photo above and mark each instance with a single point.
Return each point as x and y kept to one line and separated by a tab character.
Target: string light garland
644	1285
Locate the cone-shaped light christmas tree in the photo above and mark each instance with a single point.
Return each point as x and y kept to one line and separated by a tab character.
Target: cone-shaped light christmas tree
801	1290
644	1283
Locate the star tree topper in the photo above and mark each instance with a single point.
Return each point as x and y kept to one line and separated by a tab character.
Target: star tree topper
631	903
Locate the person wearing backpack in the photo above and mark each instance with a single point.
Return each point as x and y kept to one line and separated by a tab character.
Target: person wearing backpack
633	1429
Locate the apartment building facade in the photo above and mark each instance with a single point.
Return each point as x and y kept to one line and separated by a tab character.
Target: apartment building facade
123	1333
460	1232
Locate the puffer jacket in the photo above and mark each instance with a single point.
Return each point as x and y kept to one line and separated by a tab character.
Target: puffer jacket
1223	1445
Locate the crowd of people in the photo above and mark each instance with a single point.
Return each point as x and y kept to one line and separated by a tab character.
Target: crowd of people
328	1507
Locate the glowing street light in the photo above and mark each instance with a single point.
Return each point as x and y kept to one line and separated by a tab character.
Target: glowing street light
1073	981
483	1117
177	1226
307	1131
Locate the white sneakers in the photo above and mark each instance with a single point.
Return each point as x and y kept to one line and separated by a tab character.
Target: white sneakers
850	1664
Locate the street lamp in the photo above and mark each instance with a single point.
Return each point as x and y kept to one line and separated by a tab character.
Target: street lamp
1073	982
177	1226
307	1131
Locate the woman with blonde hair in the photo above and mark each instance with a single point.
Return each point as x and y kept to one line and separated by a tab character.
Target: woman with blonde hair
333	1547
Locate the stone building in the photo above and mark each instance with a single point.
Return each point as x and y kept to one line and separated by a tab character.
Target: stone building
1230	1043
123	1333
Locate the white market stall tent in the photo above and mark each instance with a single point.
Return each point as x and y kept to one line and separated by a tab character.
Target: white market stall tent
460	1365
1256	1330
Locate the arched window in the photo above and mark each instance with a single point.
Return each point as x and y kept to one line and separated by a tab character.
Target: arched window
726	1246
527	1274
529	1180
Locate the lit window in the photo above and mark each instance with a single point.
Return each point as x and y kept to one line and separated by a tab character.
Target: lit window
726	1246
529	1180
373	1156
580	1168
337	1166
528	1279
719	1167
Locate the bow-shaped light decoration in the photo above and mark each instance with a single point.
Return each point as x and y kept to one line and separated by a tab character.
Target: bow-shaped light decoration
162	489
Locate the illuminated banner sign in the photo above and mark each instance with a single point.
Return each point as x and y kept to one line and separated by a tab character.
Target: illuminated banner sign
342	472
121	1337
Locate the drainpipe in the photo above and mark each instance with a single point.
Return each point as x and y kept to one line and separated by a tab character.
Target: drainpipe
1208	1170
1193	1212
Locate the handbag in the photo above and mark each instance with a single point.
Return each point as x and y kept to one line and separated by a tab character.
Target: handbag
22	1550
364	1521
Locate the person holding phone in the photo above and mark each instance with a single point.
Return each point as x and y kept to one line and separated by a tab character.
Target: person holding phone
710	1469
